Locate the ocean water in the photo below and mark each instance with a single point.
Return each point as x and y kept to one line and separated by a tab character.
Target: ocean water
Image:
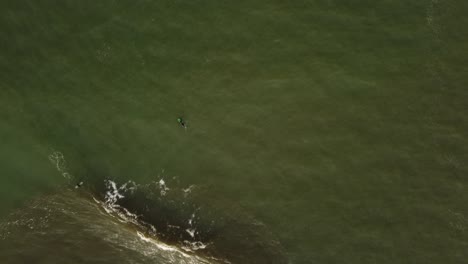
317	131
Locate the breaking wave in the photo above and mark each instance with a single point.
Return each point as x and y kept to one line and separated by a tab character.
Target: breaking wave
130	222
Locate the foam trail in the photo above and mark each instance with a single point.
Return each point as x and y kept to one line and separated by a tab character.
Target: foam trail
58	160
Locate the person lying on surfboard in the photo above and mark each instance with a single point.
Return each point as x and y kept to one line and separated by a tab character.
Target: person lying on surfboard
182	122
78	185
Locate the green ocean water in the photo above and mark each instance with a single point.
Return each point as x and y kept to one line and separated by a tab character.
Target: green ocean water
338	128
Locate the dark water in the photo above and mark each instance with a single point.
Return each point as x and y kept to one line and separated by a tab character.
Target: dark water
318	131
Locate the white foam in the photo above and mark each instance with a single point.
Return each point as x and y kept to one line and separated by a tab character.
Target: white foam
114	193
160	245
163	187
188	190
193	246
191	232
58	160
190	221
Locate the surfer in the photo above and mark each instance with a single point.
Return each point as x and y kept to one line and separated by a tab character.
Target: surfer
182	122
